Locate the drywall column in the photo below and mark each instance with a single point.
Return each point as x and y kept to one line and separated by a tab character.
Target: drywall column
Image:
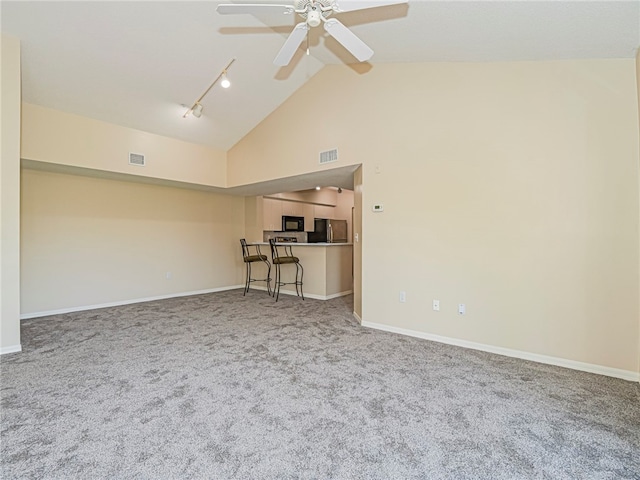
10	197
357	243
638	89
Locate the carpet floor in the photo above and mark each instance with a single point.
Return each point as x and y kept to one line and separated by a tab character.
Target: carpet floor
222	386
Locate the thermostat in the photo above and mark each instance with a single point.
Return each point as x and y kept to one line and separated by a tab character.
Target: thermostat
378	207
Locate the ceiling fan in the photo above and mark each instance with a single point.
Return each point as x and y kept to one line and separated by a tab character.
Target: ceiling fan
314	12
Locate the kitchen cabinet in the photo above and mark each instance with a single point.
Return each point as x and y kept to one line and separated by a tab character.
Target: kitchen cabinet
292	208
309	214
273	210
271	214
322	211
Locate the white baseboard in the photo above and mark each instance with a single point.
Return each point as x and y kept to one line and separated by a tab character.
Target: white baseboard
559	362
340	294
10	349
307	295
124	302
357	317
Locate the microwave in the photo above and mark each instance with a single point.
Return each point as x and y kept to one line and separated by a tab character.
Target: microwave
292	224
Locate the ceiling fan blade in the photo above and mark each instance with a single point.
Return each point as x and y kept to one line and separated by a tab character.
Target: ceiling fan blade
348	39
291	45
350	5
232	9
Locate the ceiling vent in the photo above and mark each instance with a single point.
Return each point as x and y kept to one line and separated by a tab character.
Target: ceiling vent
136	159
329	156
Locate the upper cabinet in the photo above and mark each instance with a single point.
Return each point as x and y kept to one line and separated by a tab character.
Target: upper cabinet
309	214
294	209
271	214
274	208
322	211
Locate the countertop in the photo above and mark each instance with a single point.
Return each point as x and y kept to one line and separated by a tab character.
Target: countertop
302	244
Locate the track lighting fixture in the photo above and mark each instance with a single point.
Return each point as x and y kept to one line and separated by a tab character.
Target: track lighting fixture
196	108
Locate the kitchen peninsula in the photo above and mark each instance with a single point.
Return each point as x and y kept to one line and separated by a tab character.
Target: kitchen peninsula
328	269
291	219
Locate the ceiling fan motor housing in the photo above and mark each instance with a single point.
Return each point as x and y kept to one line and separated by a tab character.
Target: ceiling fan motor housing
313	11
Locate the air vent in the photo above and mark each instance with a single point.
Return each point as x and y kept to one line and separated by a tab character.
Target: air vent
136	159
329	156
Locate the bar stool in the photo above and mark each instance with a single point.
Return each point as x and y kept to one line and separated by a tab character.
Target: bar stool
250	258
282	255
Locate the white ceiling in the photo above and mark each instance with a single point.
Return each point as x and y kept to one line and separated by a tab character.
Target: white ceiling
135	63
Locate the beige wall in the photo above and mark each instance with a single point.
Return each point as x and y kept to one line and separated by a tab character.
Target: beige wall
66	139
10	196
253	214
91	241
510	187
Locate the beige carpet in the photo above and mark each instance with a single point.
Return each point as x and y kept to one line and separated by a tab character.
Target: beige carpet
222	386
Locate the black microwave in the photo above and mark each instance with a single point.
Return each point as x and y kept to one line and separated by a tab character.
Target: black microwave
292	224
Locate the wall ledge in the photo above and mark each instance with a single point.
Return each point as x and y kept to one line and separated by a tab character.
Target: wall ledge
53	167
534	357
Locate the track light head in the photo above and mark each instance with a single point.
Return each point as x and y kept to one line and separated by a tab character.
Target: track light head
197	110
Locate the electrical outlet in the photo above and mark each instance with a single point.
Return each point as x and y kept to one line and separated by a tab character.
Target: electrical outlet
403	297
436	305
168	275
462	309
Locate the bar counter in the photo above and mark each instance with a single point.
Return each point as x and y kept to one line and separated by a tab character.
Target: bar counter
328	269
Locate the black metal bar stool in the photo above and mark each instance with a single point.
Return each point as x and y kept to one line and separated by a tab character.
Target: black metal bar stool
282	255
250	258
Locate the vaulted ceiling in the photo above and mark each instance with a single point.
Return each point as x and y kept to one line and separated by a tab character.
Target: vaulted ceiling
137	63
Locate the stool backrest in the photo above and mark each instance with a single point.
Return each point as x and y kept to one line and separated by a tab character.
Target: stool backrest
274	249
245	248
279	251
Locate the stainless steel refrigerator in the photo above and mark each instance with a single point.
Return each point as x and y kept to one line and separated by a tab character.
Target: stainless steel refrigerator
328	230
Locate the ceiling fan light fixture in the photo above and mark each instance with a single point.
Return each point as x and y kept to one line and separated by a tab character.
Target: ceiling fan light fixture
314	18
